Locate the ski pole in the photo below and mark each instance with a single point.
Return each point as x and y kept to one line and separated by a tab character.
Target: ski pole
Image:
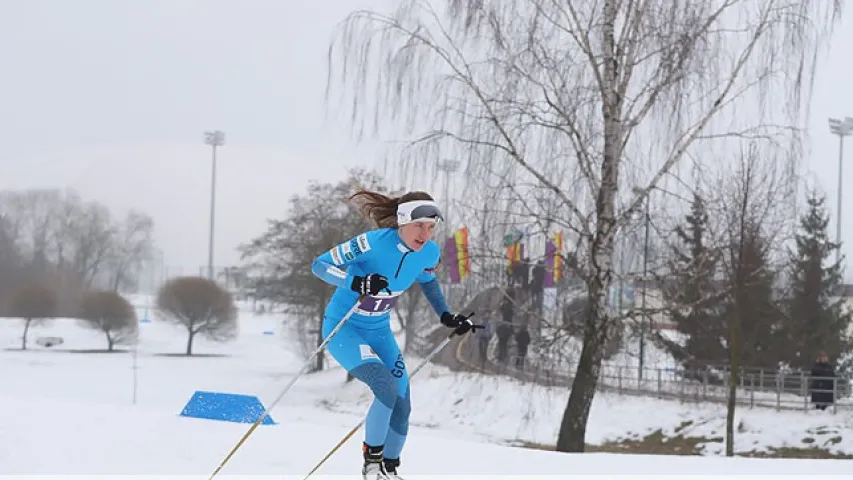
349	435
290	384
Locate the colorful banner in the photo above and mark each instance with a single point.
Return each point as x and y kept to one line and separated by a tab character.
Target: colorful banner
514	254
456	252
554	269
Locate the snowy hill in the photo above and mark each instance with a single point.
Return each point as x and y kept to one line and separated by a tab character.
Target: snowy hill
67	412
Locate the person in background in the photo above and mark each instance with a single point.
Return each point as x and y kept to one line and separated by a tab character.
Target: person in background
504	328
537	286
822	383
484	336
522	341
504	333
520	275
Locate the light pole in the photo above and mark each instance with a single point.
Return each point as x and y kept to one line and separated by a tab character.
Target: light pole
215	139
639	191
842	129
448	167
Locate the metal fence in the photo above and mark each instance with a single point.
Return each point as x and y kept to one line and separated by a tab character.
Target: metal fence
756	387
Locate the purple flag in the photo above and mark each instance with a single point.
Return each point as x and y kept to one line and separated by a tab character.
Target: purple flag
451	258
550	255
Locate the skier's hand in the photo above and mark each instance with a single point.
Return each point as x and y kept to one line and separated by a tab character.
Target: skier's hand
460	323
370	284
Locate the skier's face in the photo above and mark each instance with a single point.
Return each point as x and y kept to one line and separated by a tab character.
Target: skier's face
415	235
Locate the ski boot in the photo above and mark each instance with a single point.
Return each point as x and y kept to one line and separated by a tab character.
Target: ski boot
391	465
373	468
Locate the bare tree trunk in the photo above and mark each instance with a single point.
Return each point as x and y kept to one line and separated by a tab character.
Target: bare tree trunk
190	342
734	380
26	330
321	358
118	276
571	437
735	322
572	434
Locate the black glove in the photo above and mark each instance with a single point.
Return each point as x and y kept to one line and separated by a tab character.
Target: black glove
369	284
460	323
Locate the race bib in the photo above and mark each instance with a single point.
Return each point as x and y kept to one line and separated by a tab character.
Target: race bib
375	306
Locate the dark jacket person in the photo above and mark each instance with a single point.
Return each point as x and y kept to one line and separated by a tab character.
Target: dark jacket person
822	383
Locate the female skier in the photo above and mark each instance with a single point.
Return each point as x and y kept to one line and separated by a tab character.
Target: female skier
381	264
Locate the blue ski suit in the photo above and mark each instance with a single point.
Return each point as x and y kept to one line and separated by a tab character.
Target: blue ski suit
365	345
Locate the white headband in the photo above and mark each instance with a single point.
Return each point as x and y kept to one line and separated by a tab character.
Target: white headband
418	211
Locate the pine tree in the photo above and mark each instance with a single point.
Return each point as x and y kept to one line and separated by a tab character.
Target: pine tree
815	321
750	306
691	297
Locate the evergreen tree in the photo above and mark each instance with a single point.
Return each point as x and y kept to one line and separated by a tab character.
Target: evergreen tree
693	297
816	320
750	307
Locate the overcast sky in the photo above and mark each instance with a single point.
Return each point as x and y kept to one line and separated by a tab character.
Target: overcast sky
112	97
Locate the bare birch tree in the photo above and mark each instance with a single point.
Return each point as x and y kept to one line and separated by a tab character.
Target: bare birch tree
755	222
583	101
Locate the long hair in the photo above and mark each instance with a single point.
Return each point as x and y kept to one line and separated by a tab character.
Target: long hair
382	209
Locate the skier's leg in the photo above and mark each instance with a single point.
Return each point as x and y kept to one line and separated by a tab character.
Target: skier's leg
385	345
353	352
399	427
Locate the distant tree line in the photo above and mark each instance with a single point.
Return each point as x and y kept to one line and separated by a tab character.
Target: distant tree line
64	257
55	236
781	305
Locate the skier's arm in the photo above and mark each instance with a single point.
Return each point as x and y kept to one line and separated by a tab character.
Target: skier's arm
432	291
330	266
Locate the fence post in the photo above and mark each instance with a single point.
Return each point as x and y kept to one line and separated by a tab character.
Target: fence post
834	395
779	390
619	379
660	384
804	391
751	390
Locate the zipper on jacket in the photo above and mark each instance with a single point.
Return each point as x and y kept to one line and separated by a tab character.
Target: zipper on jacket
400	265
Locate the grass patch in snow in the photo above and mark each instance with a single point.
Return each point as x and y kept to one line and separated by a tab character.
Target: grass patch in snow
657	443
797	452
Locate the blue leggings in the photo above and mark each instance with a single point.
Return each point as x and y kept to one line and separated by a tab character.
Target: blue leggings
373	356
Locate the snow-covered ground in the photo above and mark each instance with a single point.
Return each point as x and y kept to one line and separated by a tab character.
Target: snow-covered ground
71	413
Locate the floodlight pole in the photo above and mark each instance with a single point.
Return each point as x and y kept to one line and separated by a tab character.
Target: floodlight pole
842	129
215	138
